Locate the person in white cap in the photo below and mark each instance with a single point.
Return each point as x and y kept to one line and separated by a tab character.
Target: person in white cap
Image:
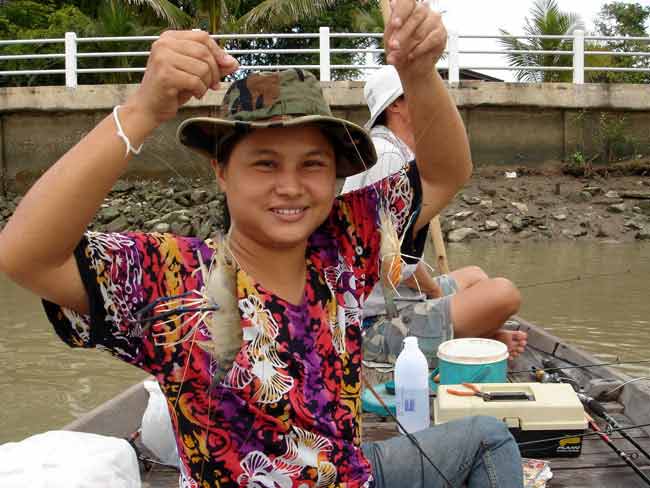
468	300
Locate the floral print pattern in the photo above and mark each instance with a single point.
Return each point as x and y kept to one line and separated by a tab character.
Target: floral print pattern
287	414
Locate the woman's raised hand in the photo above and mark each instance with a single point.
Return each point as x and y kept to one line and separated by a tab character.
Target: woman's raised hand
182	65
415	37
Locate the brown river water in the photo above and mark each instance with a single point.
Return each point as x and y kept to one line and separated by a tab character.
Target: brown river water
45	384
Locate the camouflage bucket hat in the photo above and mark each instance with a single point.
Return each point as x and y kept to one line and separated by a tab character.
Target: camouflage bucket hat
285	99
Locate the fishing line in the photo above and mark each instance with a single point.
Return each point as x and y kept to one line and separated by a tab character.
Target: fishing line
621	454
626	383
382	200
597	408
410	436
575	278
645	361
383	204
587	434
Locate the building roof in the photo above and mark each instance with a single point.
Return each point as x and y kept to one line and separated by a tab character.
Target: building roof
468	74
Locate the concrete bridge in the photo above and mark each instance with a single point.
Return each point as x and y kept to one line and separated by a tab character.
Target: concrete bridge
510	124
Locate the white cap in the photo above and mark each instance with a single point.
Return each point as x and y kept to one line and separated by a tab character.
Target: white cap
382	89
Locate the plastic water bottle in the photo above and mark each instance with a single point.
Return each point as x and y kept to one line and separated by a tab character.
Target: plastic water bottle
412	387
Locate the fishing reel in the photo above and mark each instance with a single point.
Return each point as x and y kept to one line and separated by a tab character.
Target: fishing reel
550	373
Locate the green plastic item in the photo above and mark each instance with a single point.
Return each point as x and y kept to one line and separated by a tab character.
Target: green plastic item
370	404
386	391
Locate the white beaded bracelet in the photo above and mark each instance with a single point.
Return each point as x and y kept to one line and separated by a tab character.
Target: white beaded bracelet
123	136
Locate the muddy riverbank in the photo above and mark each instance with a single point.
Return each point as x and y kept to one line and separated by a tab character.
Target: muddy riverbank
497	205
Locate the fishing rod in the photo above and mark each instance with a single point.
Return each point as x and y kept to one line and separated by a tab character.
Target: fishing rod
573	436
597	408
621	454
575	278
580	366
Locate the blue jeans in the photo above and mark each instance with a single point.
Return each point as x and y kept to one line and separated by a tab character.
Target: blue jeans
477	452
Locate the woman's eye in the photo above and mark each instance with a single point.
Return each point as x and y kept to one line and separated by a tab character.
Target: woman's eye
315	163
264	163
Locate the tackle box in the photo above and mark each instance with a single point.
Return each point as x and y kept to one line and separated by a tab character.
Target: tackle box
532	411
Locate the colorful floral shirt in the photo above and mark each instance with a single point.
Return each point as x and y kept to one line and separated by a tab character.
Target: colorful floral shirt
287	414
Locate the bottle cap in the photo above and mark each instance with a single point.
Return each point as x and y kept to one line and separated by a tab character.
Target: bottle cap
410	341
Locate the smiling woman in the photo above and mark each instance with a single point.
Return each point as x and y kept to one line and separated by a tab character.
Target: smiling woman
280	188
255	337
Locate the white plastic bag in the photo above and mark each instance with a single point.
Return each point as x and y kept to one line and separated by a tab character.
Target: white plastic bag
157	434
65	459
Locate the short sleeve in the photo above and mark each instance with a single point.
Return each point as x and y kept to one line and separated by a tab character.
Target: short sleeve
357	213
122	274
390	161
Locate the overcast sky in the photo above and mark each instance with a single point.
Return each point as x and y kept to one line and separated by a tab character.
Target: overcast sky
487	17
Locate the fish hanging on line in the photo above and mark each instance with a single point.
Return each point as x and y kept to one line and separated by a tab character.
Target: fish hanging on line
214	306
224	325
390	251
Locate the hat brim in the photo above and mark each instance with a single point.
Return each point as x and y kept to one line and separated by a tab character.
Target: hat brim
354	148
371	123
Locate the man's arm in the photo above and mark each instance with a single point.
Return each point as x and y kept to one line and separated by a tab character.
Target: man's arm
415	40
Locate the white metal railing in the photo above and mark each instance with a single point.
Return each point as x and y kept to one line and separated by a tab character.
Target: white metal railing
71	55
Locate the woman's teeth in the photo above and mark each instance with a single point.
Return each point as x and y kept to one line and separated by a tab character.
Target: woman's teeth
288	211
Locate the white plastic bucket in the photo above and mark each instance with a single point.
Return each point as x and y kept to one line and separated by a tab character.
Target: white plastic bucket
472	360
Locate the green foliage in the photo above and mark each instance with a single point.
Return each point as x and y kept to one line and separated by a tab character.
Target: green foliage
26	14
578	164
610	133
69	19
340	19
24	19
612	136
578	159
7	28
165	10
114	18
546	18
624	19
368	17
30	19
277	14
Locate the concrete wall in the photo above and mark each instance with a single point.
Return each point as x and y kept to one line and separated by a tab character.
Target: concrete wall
508	123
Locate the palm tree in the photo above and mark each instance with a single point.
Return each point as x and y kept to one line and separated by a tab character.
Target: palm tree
227	16
165	10
257	15
546	19
368	17
115	19
272	14
216	11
